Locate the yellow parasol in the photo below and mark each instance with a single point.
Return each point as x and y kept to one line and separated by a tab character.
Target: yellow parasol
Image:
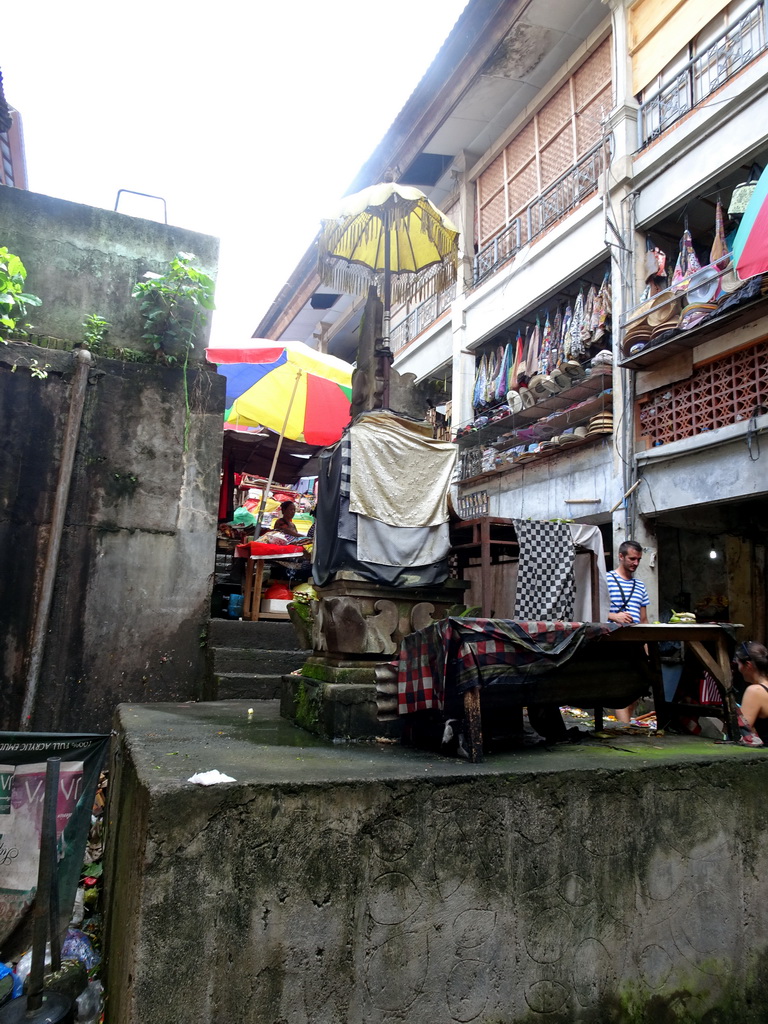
389	234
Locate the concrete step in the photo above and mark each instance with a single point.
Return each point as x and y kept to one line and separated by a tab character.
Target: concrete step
266	634
245	686
251	659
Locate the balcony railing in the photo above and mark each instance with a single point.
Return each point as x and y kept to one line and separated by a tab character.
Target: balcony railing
703	74
544	211
420	318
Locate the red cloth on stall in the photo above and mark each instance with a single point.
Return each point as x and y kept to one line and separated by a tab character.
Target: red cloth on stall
260	548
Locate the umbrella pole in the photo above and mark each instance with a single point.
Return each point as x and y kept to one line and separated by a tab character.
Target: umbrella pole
266	490
386	351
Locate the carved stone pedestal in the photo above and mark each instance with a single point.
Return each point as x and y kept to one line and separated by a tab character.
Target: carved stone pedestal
358	628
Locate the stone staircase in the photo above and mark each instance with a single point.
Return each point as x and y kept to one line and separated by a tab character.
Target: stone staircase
248	658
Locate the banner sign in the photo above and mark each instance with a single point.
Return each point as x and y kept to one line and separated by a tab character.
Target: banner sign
23	759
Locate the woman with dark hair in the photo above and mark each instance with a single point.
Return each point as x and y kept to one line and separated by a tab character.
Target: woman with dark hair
752	661
285	523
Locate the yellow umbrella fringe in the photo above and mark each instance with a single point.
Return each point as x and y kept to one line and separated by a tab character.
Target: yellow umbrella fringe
355	279
344	240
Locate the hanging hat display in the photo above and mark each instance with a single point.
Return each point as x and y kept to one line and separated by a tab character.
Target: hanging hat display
743	193
704	285
719	251
665	308
694	313
687	263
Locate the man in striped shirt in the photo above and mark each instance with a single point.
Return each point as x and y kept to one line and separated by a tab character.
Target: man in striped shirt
629	598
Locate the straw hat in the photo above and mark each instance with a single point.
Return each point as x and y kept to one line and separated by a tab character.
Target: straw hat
703	285
664	312
541	386
515	402
603	358
730	281
561	380
694	313
573	369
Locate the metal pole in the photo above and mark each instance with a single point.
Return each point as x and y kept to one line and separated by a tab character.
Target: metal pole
40	913
69	447
265	492
386	352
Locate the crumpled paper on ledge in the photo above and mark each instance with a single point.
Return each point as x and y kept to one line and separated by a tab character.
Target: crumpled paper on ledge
210	778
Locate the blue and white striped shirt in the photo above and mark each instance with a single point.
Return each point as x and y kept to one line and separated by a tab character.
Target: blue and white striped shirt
626	595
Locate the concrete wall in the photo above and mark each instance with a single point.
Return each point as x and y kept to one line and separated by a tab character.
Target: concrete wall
132	590
341	886
82	260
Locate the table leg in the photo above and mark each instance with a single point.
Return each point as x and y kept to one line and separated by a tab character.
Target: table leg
720	671
485	567
254	574
248	588
474	724
598	719
657	686
256	595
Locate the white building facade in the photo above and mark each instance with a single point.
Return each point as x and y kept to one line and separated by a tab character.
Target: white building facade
568	142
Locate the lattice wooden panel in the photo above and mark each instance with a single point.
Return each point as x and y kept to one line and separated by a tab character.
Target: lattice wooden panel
491	180
593	75
521	149
527	169
588	123
522	189
557	157
723	392
492	218
555	114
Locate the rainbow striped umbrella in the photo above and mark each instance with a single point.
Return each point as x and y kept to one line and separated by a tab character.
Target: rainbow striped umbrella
286	386
750	246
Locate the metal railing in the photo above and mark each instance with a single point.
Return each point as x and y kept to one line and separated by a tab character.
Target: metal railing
545	210
420	318
703	74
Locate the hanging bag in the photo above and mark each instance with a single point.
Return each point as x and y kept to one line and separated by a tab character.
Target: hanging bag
687	263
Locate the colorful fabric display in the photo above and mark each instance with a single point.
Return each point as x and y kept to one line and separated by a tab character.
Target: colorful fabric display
577	324
478	398
565	333
687	263
503	379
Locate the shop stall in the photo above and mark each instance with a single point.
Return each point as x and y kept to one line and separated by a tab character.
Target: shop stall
556	647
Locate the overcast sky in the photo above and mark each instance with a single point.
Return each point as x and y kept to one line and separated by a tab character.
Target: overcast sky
250	119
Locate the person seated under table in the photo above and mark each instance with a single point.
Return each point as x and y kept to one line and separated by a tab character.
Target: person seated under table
752	662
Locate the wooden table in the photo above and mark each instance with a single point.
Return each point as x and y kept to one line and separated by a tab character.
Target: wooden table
613	671
254	575
708	642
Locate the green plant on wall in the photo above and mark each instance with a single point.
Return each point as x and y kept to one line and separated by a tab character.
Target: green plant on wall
95	328
13	299
175	307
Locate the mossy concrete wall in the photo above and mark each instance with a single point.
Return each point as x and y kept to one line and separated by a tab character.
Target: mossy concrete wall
132	590
342	885
82	260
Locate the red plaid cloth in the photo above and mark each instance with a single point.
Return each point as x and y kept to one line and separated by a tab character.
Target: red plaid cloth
456	654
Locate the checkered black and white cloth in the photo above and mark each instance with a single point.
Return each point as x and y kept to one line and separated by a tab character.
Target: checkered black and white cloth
346	465
546	585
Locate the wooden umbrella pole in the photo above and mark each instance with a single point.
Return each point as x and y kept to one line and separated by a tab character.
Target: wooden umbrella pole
386	353
266	490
